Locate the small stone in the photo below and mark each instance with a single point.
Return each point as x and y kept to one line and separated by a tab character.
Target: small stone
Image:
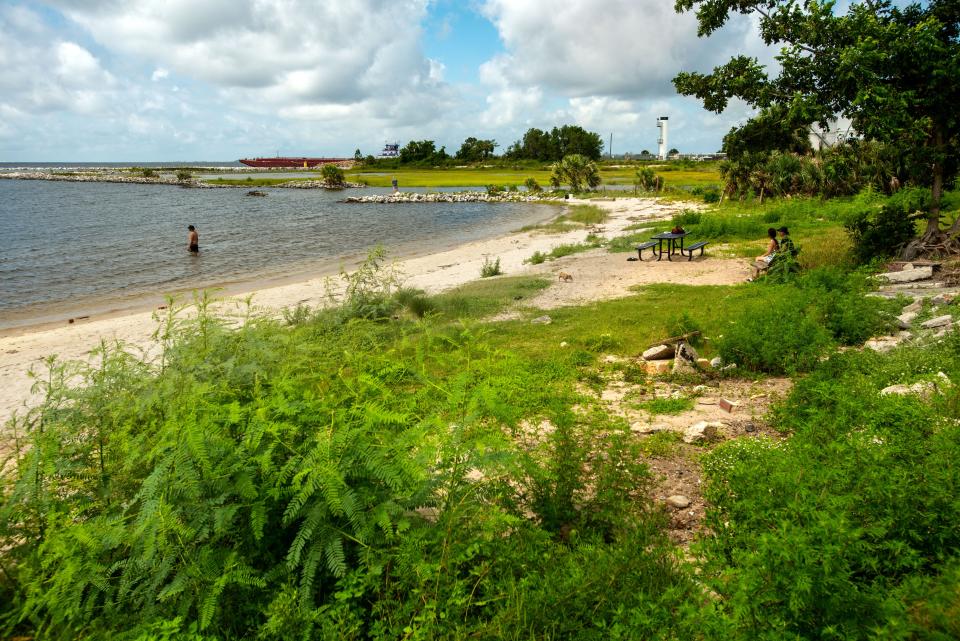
542	320
727	406
939	321
942	299
701	432
700	389
703	363
727	368
646	428
678	501
883	344
716	362
750	427
658	352
564	344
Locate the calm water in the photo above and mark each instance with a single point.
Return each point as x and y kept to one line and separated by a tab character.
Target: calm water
73	248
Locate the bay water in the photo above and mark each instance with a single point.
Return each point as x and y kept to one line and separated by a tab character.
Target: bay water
71	248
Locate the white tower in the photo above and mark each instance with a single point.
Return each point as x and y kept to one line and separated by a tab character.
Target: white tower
662	138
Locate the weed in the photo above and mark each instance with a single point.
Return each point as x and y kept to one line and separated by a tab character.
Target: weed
490	268
668	405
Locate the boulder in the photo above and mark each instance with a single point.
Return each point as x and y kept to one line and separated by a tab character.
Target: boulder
939	321
686	352
683	366
678	501
909	275
923	389
905	319
658	367
701	432
915	306
658	353
943	299
884	344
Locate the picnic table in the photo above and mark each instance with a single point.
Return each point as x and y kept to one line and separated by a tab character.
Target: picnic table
671	239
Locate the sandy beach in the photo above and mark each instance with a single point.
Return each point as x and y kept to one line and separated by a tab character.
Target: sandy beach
596	275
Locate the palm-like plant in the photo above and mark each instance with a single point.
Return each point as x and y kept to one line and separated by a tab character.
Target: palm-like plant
577	171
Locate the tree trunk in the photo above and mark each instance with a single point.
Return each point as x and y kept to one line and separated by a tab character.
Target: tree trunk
936	193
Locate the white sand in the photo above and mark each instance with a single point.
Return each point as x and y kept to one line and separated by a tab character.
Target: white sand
596	275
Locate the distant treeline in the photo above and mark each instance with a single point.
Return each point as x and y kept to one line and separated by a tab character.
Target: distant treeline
536	145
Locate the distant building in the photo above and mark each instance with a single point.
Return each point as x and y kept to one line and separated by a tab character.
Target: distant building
662	123
837	132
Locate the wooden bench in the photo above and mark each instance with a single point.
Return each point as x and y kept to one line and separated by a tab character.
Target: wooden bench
688	251
647	245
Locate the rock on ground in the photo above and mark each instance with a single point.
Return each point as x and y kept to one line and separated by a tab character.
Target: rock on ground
658	352
909	275
939	321
678	501
701	432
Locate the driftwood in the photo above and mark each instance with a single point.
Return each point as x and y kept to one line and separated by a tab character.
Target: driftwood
675	339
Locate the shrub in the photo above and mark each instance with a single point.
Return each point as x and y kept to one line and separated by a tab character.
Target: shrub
183	175
780	334
577	171
711	195
495	190
846	528
490	268
332	175
147	172
532	185
537	258
880	232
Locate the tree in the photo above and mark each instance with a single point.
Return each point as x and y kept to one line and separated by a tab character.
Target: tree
357	156
673	152
475	150
418	151
558	143
894	72
576	171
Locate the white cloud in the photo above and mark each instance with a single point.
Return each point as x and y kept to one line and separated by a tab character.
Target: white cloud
294	57
159	74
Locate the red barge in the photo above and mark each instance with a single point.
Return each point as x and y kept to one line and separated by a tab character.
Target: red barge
281	161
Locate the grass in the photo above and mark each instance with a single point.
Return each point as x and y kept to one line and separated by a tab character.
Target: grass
481	177
661	444
483	298
668	405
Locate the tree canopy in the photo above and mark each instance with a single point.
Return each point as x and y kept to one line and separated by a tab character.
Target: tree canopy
422	151
567	140
894	72
476	150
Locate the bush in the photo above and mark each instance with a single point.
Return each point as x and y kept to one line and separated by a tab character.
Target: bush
183	175
537	258
490	268
495	190
845	530
332	175
533	186
881	232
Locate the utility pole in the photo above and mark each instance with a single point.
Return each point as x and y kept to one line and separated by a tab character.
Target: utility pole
611	145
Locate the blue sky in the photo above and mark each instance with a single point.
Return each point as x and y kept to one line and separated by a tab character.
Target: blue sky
116	80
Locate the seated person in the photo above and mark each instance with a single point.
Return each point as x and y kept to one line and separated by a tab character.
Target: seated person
786	244
763	261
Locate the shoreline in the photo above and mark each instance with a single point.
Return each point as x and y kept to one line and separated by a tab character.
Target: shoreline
434	271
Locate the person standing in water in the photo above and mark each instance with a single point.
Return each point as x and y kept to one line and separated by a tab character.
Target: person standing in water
193	240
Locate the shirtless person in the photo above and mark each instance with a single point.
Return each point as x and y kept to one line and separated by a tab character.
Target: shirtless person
193	240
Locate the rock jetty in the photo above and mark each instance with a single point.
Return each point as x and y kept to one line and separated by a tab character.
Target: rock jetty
447	197
114	177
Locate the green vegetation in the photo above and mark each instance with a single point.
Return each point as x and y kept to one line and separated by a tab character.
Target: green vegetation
576	171
892	71
490	268
183	175
376	470
332	175
668	405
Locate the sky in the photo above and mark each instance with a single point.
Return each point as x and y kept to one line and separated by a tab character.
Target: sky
168	80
